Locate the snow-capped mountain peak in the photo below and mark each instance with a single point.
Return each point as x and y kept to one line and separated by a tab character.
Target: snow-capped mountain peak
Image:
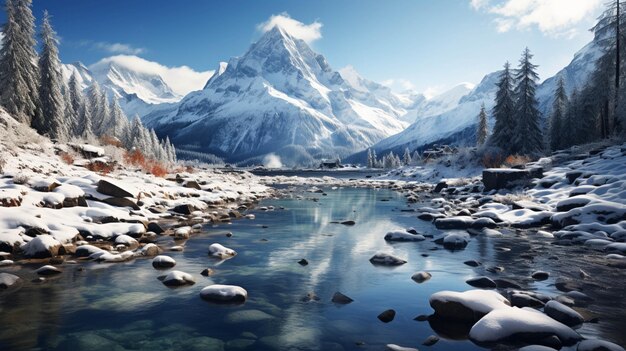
281	97
123	80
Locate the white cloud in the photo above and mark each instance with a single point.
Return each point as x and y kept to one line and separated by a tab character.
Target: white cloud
551	17
433	91
399	85
113	48
307	32
182	79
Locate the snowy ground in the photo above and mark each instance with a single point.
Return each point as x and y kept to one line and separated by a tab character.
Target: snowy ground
51	208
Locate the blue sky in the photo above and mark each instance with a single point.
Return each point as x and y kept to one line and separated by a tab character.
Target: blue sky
428	45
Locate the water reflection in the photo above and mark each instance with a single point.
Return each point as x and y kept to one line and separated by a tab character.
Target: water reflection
124	307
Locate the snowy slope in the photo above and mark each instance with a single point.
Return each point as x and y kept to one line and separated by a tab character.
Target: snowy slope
281	97
457	125
438	104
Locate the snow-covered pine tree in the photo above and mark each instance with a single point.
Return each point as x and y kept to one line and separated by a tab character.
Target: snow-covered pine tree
136	137
76	101
503	111
19	74
610	31
117	124
482	132
169	150
70	114
406	158
416	157
370	163
52	120
84	126
559	108
104	119
95	103
155	146
528	137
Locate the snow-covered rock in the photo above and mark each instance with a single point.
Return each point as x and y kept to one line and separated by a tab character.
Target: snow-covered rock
598	345
86	250
522	325
8	280
42	246
178	278
48	270
399	235
163	261
224	293
220	251
126	240
470	305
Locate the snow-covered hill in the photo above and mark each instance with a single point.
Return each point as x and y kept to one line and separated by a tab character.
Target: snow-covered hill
281	97
457	125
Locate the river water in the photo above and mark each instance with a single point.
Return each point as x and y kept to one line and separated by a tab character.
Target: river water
124	306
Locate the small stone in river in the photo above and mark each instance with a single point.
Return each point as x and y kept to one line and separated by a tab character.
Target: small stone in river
386	260
598	345
207	272
394	347
303	262
431	340
229	234
472	263
387	316
482	282
563	314
524	300
421	277
540	275
177	248
178	278
348	222
495	269
8	280
162	262
48	270
421	318
310	297
341	298
224	293
506	284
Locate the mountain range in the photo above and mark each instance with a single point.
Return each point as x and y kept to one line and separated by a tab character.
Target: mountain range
282	98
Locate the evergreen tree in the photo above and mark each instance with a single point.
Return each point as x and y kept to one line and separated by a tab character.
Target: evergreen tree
76	101
95	104
117	125
406	158
569	131
503	111
137	138
557	119
52	120
370	161
482	132
70	114
528	137
609	31
18	62
84	126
